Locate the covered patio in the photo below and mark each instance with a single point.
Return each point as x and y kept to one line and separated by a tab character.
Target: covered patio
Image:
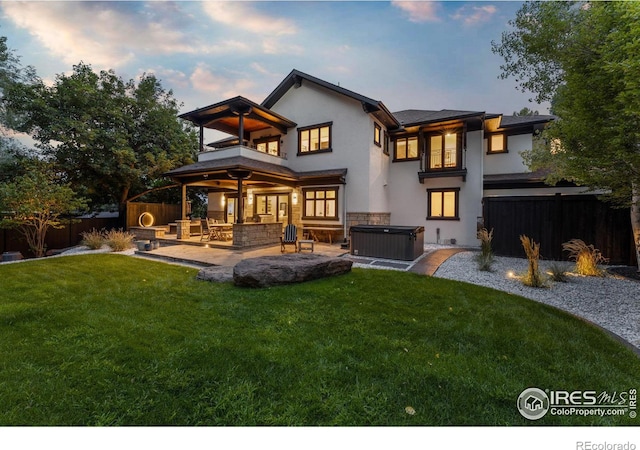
248	183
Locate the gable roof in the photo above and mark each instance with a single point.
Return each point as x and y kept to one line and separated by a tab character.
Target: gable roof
370	106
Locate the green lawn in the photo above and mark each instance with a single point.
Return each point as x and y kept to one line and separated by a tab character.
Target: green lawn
115	340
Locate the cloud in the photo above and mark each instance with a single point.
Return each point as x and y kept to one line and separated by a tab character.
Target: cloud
267	32
240	16
472	15
219	85
419	12
104	34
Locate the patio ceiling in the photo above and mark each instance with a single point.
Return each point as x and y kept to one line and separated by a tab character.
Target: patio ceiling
225	117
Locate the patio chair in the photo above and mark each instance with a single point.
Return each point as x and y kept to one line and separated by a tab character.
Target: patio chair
208	233
289	237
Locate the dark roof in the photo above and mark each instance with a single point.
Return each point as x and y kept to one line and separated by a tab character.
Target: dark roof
234	162
410	117
223	116
515	121
244	163
296	78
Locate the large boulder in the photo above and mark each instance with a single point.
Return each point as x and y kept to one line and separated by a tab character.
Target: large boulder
218	274
285	269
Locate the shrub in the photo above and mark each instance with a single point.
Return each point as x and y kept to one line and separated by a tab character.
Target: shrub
558	271
587	257
119	240
93	239
485	257
533	277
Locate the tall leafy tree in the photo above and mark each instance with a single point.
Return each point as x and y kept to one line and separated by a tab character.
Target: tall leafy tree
35	202
584	57
112	138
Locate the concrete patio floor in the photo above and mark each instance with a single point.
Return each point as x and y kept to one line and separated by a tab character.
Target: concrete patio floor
203	255
196	254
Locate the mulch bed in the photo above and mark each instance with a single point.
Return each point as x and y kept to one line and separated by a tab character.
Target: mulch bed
629	272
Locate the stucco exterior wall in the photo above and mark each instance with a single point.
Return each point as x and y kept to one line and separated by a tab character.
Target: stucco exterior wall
351	142
510	162
408	197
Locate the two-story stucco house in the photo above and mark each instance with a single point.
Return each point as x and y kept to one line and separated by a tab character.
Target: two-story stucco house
325	158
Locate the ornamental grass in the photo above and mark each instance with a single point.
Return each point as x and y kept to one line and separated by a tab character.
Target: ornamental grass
533	276
587	258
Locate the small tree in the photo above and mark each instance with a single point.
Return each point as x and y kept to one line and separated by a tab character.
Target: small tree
35	202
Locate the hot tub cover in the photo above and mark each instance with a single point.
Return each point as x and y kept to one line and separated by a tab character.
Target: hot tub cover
387	229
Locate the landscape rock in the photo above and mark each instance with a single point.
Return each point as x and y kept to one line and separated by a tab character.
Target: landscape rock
217	274
289	268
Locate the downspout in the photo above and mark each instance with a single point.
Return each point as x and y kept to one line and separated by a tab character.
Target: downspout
344	225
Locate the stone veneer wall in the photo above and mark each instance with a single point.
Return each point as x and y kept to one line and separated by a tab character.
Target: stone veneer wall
365	218
256	234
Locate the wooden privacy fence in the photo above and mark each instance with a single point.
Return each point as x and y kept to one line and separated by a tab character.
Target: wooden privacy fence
12	241
162	213
552	220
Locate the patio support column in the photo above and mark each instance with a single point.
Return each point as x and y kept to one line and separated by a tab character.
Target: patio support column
201	149
240	215
241	129
183	203
239	174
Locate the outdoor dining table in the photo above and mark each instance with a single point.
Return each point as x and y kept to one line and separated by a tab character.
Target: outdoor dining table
219	229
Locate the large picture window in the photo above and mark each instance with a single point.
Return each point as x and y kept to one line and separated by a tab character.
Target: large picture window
444	151
321	203
406	148
443	203
314	139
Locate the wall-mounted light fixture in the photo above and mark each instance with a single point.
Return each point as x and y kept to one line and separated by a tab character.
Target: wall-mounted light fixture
294	198
223	200
250	197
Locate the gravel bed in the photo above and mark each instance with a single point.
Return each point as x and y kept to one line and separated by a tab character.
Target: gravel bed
610	302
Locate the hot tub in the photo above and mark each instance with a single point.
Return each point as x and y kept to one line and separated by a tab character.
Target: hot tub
387	241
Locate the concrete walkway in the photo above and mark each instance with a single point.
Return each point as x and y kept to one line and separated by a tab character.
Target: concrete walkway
430	263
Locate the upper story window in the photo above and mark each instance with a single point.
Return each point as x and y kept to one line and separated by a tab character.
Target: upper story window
270	145
377	134
385	144
444	151
314	139
497	143
406	148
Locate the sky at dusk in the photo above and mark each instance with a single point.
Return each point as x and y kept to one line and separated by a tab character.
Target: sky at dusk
417	54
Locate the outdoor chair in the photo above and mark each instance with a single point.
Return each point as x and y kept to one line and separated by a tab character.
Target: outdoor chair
208	233
289	237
